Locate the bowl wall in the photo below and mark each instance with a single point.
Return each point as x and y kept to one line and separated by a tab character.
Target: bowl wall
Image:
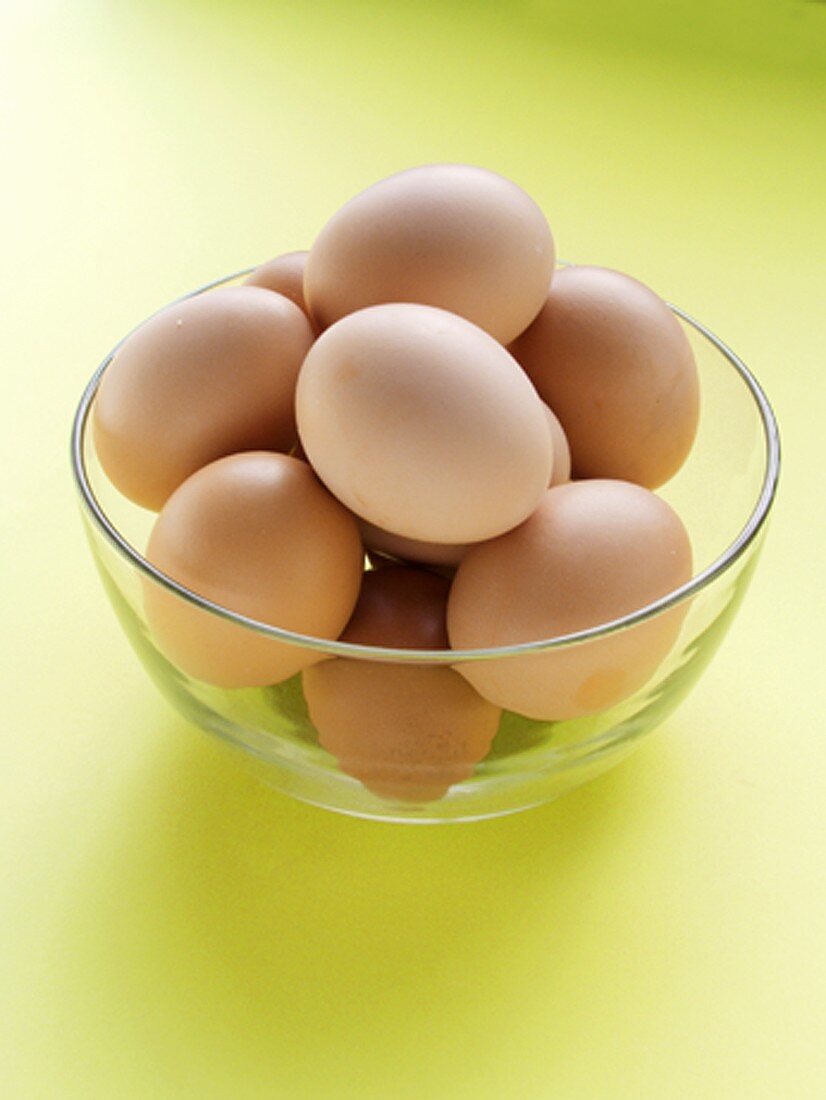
723	494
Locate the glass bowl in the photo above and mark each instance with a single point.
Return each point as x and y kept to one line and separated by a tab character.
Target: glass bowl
723	494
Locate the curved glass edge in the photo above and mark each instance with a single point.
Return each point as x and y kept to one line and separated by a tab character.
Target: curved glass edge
529	778
718	567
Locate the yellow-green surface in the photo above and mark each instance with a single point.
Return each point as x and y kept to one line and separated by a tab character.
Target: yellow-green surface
171	929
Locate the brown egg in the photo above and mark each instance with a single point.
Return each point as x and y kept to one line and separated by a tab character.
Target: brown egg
450	554
259	534
423	425
447	235
592	552
283	274
402	608
406	732
612	361
397	546
206	377
561	468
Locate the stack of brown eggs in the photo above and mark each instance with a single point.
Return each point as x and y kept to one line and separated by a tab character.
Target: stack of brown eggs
424	384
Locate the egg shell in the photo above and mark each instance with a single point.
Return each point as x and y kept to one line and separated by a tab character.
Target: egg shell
256	533
593	551
397	546
450	554
406	732
209	376
449	235
377	560
423	425
561	468
400	607
283	274
612	361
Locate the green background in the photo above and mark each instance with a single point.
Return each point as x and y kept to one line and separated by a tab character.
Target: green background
171	928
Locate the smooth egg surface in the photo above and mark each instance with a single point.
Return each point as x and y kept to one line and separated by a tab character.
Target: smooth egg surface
256	533
413	550
283	274
205	377
592	552
561	468
400	607
448	235
423	425
450	554
405	732
614	364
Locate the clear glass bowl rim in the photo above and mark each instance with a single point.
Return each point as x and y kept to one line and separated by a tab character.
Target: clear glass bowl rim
747	535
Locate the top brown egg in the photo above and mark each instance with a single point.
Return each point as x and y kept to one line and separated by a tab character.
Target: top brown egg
448	235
